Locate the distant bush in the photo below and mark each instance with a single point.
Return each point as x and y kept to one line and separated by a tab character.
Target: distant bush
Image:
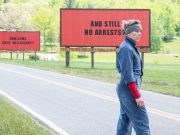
156	44
167	38
62	54
81	56
178	34
32	57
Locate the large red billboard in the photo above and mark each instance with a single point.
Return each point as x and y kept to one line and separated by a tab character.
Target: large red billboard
100	27
20	41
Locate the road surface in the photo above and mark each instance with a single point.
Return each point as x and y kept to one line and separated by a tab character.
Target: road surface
78	106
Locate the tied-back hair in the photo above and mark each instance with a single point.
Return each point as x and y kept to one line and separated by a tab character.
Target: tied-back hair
127	23
131	25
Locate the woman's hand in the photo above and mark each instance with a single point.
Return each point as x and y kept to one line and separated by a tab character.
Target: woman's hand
140	102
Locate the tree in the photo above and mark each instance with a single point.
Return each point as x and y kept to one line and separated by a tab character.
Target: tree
15	17
19	1
69	3
1	2
56	4
177	29
42	21
17	14
168	23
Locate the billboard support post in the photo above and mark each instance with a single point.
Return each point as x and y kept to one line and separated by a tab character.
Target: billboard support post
17	55
35	56
11	55
142	58
116	56
23	55
67	56
92	57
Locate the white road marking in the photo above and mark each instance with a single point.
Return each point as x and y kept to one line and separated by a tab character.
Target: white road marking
108	98
164	114
35	114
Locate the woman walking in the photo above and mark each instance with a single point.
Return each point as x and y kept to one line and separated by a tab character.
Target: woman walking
132	108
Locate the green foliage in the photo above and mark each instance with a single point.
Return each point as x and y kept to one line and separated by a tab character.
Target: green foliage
168	23
47	21
156	33
44	15
177	28
156	44
70	3
33	57
16	17
56	4
19	1
82	55
1	3
42	19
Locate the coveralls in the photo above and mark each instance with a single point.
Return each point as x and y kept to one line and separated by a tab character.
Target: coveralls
129	66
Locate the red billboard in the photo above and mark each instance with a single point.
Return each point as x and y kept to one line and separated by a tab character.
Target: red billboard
100	27
20	41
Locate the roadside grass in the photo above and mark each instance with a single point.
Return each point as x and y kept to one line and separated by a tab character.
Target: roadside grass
162	59
15	122
162	78
172	47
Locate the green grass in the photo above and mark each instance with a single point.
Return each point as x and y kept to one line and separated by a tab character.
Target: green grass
162	59
15	122
162	78
172	47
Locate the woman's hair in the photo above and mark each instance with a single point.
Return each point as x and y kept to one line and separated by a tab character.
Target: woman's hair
131	25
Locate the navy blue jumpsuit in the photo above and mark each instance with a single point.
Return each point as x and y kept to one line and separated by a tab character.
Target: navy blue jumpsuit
129	66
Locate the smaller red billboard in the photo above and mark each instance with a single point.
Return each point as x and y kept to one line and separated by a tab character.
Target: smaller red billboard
20	41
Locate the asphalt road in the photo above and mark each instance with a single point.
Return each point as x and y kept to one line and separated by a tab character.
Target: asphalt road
79	106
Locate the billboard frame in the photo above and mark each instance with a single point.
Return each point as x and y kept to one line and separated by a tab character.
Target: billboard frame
39	33
61	10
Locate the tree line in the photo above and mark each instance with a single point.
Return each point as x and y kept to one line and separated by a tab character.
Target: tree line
43	15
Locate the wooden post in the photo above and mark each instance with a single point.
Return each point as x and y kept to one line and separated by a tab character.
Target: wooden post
67	56
17	55
92	57
23	55
116	56
11	55
35	56
142	59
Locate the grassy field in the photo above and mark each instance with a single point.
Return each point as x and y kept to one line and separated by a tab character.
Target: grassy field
15	122
172	47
